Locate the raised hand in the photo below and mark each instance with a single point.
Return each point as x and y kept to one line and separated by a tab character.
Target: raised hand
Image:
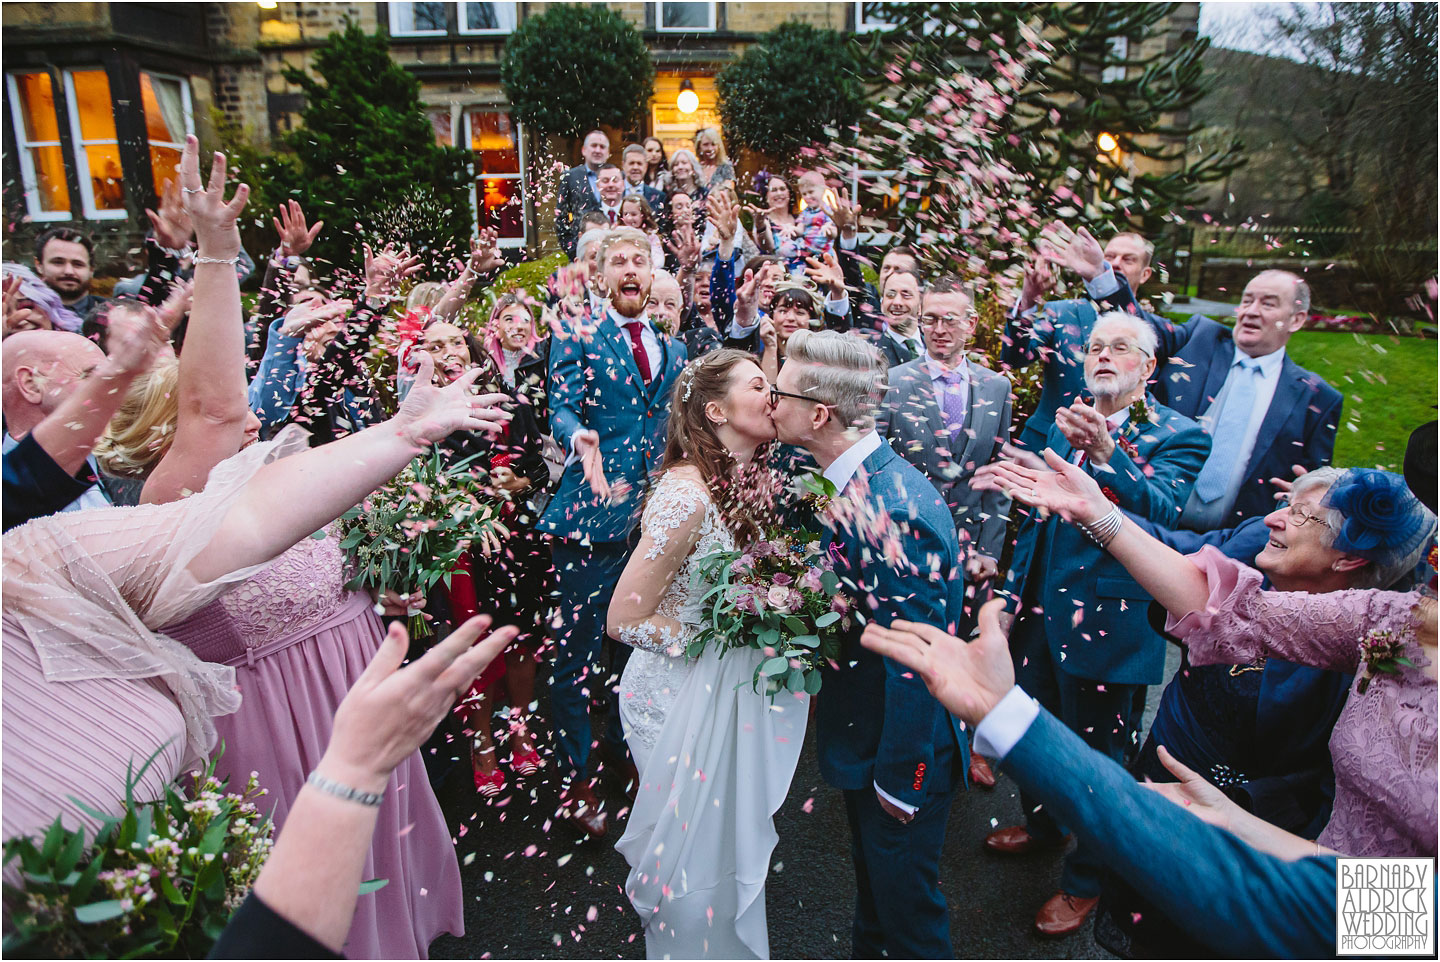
383	273
1087	430
485	252
135	336
1283	485
1060	487
295	237
684	243
303	317
176	304
1074	249
587	446
18	318
171	224
390	710
1039	280
723	213
826	274
429	413
846	216
216	235
968	678
747	299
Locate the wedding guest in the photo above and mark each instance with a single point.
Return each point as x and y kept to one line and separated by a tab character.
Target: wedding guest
635	212
1082	642
685	176
665	306
578	191
657	168
31	305
1384	744
635	162
775	227
714	168
710	240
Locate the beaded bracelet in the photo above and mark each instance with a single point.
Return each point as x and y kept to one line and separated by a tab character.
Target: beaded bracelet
1103	532
339	790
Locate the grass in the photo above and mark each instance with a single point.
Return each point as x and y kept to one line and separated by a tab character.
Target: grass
1389	384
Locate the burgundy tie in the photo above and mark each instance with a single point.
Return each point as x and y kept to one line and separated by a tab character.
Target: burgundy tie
637	346
612	218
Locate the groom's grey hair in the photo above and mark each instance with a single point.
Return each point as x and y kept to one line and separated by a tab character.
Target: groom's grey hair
843	371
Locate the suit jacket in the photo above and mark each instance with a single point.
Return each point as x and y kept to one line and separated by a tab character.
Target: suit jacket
864	298
595	384
1059	570
575	199
1239	902
912	419
894	353
1299	427
1059	336
876	723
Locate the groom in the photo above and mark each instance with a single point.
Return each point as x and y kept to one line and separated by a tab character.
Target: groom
883	739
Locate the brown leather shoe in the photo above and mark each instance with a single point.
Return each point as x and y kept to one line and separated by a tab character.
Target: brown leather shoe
1063	915
1015	840
980	772
580	806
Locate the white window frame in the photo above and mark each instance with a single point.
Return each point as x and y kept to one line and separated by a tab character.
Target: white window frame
660	20
1120	48
82	157
395	30
187	105
510	14
475	185
861	26
28	176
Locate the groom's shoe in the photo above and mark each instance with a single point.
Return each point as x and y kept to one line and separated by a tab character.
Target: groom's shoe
1063	915
1016	840
583	808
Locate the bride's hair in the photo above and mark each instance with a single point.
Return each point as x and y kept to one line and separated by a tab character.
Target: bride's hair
746	500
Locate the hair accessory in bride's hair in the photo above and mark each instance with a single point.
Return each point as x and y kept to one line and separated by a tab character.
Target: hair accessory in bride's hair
689	376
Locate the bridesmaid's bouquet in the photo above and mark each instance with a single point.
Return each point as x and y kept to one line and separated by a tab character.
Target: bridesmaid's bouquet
161	880
409	534
780	595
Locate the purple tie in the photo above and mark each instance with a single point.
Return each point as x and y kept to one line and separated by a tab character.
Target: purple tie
954	404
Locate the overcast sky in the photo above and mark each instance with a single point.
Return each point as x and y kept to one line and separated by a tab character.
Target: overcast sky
1240	25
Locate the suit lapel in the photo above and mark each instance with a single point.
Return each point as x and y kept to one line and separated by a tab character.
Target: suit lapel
974	414
924	388
617	339
1219	371
667	345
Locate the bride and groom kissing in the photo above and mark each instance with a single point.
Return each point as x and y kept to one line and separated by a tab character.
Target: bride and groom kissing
715	758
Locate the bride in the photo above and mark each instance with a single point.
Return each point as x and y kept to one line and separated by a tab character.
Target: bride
715	758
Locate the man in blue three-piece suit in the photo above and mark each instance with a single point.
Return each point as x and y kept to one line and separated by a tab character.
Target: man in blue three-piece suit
1237	900
882	738
609	405
1266	412
1056	332
1082	641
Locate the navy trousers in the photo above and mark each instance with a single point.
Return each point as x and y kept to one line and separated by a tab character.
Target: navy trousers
1106	715
585	580
899	908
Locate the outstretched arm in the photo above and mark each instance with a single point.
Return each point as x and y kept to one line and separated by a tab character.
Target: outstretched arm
669	532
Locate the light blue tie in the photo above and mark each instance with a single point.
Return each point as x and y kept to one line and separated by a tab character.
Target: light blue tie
1228	433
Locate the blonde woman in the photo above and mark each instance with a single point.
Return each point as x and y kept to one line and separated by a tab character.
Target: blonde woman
714	168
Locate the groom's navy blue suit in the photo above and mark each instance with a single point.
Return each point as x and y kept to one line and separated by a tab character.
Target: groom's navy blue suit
876	723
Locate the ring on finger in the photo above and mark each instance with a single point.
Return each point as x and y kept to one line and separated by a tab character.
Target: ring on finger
192	190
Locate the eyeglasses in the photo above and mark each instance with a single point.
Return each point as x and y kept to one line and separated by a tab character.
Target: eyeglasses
1116	348
953	321
1300	516
776	394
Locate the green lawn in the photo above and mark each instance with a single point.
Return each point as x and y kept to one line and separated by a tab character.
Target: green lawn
1389	384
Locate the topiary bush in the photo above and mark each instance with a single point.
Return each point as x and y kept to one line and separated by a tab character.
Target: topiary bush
576	67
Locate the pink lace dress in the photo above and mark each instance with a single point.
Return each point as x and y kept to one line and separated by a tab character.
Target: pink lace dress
1384	743
297	641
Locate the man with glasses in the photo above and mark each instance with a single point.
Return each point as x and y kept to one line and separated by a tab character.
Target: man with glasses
1082	642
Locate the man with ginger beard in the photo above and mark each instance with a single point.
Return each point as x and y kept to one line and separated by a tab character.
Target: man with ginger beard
609	407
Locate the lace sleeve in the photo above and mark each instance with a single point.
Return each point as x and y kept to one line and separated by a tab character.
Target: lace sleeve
1241	622
670	528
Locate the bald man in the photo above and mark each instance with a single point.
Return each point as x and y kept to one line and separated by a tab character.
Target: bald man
59	391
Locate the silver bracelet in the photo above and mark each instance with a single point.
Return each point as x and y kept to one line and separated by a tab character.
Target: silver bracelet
232	261
332	787
1103	532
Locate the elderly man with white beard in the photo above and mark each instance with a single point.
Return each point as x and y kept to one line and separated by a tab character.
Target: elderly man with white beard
1082	642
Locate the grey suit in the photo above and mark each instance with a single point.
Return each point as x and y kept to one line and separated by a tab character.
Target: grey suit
912	419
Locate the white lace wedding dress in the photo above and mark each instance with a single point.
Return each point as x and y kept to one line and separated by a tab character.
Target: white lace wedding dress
715	758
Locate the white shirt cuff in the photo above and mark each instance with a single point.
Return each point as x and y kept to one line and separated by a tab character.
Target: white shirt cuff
840	306
1104	284
737	332
1007	723
849	244
905	807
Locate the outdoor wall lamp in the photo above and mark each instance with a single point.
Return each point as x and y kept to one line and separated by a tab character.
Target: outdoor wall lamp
688	101
1106	141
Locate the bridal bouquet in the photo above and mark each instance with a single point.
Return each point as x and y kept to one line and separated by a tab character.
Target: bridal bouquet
782	596
409	534
160	880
